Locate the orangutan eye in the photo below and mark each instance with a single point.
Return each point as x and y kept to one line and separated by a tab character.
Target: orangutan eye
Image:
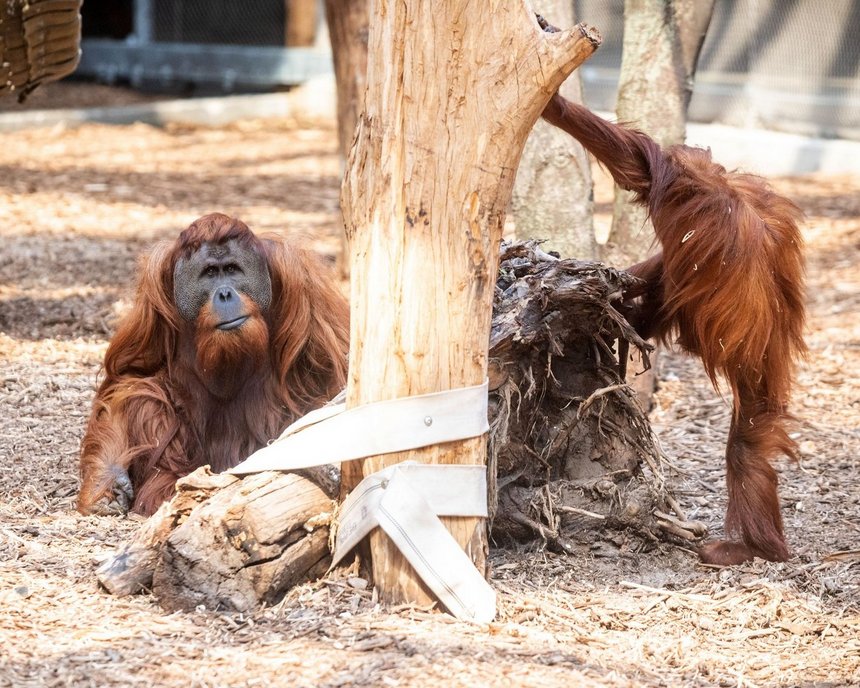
231	269
210	271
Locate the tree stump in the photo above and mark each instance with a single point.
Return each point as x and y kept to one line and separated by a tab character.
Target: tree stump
568	437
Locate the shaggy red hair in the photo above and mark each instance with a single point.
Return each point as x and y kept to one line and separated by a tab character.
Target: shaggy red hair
154	419
729	284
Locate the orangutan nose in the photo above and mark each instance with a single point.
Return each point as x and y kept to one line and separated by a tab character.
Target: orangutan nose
228	307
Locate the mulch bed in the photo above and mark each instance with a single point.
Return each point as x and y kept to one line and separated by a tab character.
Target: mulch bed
77	206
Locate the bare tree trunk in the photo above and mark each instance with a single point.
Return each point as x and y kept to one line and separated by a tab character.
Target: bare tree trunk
553	196
347	29
300	22
427	187
662	41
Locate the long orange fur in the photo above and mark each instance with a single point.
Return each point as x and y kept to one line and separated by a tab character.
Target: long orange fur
152	416
729	285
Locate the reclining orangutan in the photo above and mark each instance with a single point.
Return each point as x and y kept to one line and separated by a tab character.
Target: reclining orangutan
231	337
729	284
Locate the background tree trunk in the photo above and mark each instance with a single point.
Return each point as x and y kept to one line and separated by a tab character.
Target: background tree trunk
300	22
662	41
347	30
553	197
425	196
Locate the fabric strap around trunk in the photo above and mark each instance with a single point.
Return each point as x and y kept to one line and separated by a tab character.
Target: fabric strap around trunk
406	499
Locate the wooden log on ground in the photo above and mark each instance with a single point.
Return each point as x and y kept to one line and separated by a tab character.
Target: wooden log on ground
227	543
246	544
130	569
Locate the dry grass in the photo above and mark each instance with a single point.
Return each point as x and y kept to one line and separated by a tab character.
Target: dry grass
77	207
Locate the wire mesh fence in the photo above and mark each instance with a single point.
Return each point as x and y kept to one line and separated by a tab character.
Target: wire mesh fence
250	22
791	65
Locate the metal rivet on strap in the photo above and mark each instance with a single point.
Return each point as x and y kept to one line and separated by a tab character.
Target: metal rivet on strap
428	421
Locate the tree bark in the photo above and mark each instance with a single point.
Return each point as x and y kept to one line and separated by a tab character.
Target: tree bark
553	198
662	41
427	188
348	29
300	22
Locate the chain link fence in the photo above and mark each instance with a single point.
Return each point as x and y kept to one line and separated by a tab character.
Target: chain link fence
789	65
250	22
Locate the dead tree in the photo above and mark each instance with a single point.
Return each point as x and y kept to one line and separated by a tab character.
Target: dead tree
427	188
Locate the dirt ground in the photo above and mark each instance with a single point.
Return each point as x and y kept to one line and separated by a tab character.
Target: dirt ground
77	206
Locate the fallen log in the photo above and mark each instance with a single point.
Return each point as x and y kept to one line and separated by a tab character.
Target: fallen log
130	569
229	544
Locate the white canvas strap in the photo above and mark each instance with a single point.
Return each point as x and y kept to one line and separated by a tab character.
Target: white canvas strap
333	434
407	499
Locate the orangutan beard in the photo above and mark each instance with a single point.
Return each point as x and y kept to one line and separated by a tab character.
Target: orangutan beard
227	359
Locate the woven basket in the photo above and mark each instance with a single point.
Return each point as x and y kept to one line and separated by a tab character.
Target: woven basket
39	42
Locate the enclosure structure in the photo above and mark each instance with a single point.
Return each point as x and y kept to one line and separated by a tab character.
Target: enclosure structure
223	45
750	72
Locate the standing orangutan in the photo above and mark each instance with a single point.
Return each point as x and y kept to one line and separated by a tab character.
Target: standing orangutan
231	337
729	283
